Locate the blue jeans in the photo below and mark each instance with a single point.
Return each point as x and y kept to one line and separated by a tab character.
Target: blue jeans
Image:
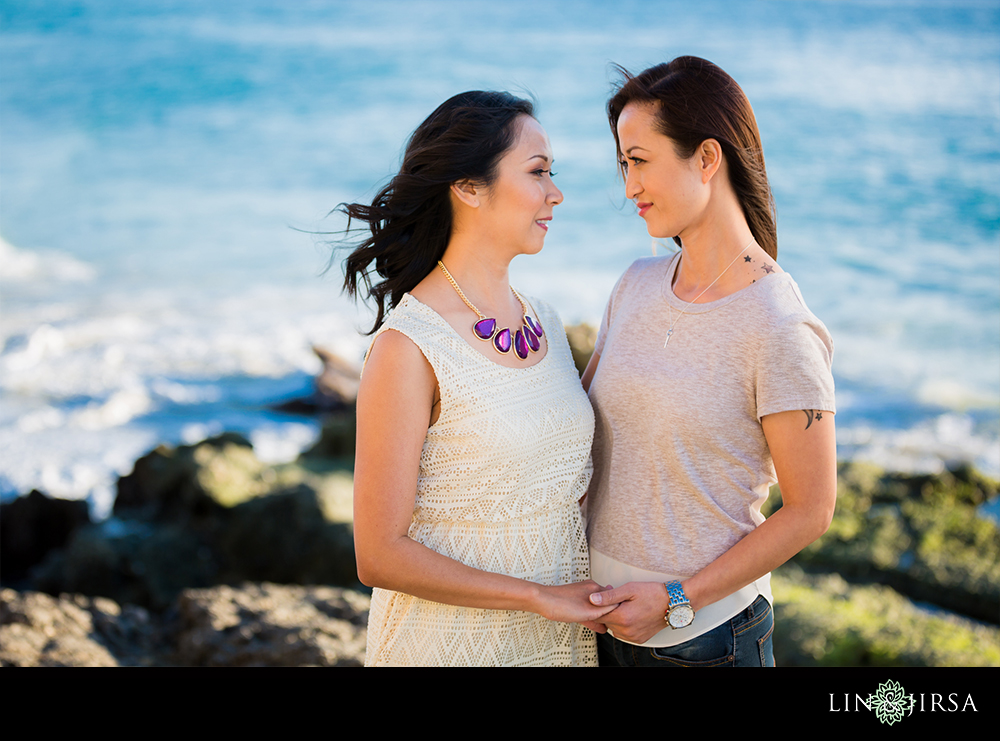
744	640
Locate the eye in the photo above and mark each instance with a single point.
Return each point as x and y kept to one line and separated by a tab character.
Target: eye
541	171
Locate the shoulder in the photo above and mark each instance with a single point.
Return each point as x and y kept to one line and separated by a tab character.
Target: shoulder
644	274
410	313
405	333
648	267
787	327
781	303
418	321
393	352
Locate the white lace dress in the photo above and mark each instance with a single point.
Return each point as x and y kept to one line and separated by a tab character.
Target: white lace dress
501	474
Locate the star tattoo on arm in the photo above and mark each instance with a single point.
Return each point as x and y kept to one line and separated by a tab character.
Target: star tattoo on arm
811	416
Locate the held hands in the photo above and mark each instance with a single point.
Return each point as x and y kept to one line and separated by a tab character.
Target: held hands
569	603
638	615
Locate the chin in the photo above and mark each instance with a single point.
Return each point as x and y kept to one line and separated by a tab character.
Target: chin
533	247
659	233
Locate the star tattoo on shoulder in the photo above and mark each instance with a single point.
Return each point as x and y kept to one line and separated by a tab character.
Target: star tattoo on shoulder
747	259
767	269
811	416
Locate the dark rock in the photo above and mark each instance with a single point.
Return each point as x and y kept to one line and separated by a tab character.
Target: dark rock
145	564
207	514
337	438
33	525
288	537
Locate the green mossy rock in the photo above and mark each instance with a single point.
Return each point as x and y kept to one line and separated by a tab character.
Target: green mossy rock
193	480
920	534
821	620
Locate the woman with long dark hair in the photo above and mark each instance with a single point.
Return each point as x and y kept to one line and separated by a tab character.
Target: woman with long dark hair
710	381
474	433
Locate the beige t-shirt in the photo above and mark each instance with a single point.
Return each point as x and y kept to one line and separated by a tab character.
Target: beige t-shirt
681	466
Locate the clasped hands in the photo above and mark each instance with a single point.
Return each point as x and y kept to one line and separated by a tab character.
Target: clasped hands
638	610
633	612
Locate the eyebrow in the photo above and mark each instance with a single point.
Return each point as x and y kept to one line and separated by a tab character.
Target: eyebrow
539	157
632	149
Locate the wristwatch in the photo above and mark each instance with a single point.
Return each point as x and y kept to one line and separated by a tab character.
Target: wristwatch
679	612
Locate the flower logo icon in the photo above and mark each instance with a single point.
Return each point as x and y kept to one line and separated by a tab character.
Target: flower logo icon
890	702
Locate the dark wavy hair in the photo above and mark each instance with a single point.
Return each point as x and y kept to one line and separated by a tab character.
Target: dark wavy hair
696	100
410	219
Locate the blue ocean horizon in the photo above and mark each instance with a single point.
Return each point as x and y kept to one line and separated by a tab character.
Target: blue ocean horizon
167	171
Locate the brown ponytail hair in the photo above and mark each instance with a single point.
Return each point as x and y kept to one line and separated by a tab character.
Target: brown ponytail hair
696	101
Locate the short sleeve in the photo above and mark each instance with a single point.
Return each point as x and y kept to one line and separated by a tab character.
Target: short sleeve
794	368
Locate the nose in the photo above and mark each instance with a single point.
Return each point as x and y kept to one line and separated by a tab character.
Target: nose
555	196
632	185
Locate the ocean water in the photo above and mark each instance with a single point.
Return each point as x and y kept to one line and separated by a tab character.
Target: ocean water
165	166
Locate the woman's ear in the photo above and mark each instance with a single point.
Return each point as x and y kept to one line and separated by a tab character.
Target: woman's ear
467	192
709	159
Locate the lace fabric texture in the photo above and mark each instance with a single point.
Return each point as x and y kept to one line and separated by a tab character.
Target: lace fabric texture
501	474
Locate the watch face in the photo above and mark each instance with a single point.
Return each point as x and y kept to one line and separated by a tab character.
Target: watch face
681	616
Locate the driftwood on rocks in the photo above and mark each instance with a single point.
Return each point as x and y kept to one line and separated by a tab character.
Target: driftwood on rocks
337	385
335	389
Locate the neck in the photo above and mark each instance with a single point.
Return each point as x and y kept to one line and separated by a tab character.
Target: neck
710	249
481	273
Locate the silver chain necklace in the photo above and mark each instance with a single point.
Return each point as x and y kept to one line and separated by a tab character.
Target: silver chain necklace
691	303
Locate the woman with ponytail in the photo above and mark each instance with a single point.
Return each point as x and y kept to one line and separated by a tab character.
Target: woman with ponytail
474	433
710	382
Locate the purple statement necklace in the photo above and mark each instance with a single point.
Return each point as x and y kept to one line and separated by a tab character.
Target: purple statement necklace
523	341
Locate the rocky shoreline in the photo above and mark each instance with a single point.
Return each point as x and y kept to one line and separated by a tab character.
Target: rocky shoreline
213	558
251	625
